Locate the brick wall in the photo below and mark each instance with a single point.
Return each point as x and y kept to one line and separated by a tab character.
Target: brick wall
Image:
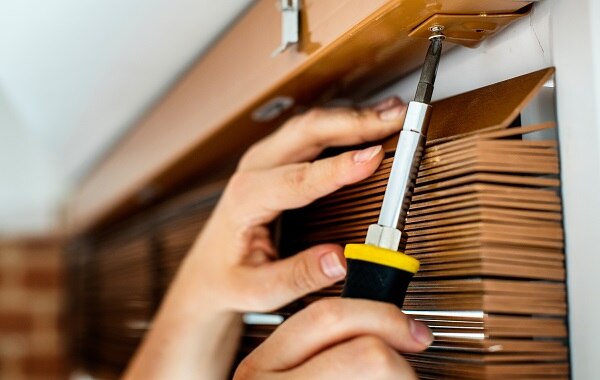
32	344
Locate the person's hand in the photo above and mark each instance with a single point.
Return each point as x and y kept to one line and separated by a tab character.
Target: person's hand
234	260
233	266
336	339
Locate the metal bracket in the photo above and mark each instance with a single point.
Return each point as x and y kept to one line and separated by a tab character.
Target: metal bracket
290	25
465	29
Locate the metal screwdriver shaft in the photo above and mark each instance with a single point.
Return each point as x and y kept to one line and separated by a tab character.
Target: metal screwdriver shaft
376	270
430	67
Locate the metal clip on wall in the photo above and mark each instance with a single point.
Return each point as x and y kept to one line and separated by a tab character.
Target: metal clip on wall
290	25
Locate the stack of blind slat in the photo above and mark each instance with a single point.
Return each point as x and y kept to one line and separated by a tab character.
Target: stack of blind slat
126	275
485	223
123	289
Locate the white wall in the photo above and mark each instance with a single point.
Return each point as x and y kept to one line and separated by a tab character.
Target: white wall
74	76
31	186
576	56
558	33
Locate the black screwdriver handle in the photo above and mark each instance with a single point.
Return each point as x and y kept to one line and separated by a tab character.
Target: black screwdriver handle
378	274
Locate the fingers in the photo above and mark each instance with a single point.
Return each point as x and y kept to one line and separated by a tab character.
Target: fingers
275	284
296	185
333	321
304	137
364	357
376	360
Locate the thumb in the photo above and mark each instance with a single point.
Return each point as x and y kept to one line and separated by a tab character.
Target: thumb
283	281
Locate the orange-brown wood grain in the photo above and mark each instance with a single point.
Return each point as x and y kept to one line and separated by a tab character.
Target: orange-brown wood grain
347	46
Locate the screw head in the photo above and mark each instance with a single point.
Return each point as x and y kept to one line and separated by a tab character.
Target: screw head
437	32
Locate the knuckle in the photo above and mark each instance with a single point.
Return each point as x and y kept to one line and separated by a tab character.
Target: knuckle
306	180
296	178
338	168
292	124
354	118
238	183
394	316
235	203
302	278
308	125
300	125
326	313
392	312
314	114
251	295
248	157
245	370
251	300
377	356
255	155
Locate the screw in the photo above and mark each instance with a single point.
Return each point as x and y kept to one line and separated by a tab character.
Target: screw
437	32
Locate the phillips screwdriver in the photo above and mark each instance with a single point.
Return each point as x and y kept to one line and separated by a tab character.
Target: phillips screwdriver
376	269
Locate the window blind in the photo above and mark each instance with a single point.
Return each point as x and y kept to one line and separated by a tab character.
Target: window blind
485	223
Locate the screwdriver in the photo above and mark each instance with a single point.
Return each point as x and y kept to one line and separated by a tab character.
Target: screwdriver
376	269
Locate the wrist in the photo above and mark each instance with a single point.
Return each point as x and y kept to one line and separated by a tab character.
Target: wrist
196	303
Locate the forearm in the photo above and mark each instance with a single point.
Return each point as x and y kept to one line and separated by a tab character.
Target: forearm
190	337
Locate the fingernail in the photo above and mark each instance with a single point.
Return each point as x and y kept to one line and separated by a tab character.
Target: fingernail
386	104
420	332
392	113
365	155
332	266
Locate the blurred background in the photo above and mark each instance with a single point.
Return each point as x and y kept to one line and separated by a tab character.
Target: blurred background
77	77
74	77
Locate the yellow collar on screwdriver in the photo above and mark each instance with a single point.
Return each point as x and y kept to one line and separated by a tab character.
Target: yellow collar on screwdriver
382	256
